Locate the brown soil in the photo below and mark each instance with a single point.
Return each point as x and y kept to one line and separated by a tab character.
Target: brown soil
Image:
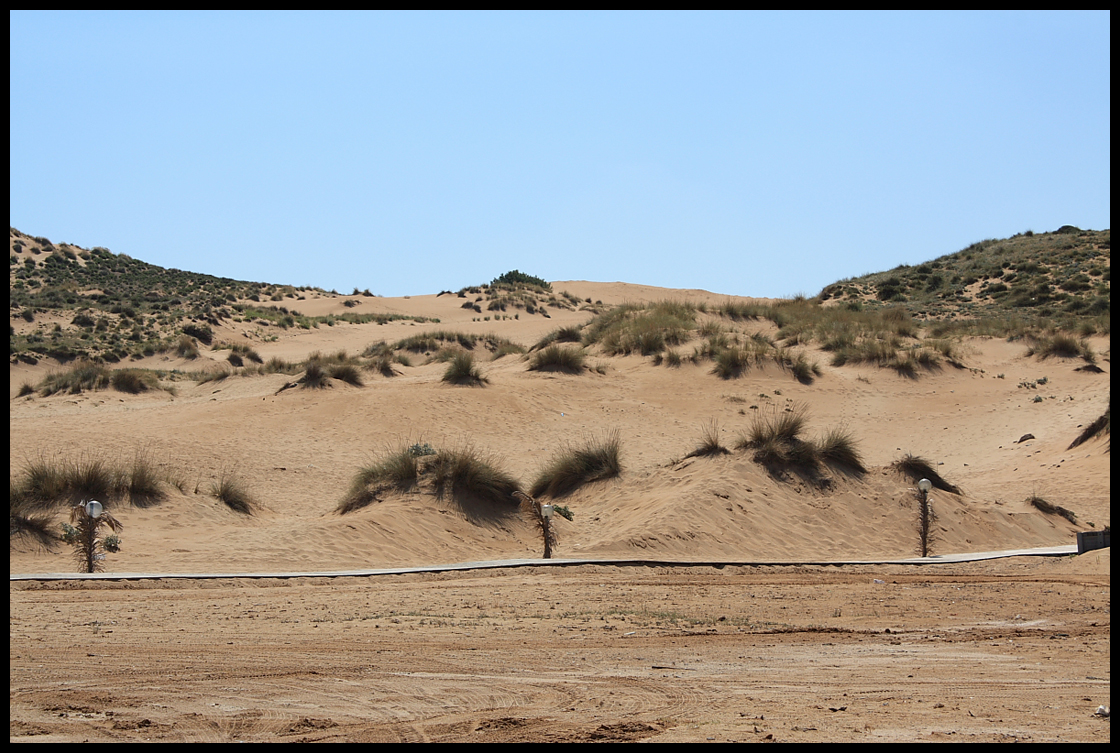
1015	649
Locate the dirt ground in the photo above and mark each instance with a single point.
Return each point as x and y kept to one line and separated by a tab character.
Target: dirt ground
1003	650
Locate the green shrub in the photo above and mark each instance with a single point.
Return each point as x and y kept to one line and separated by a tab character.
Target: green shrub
520	278
572	467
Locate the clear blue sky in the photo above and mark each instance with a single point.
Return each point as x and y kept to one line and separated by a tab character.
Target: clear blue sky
745	153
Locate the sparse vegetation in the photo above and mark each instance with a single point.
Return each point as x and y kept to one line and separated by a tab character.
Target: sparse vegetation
573	466
710	444
1101	425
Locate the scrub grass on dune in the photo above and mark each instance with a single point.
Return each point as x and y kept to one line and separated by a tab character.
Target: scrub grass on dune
916	468
463	371
232	492
777	440
396	469
573	466
710	444
557	358
466	476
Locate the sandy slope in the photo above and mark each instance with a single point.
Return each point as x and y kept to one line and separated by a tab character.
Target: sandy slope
297	451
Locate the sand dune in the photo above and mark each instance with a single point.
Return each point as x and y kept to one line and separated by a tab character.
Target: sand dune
1013	649
298	450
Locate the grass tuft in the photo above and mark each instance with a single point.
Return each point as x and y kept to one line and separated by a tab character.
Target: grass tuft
83	375
466	475
133	381
710	444
315	376
557	358
232	492
838	448
462	371
917	468
1102	425
399	469
1049	508
572	467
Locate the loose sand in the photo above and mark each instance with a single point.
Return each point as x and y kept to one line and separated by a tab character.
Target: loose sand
1005	649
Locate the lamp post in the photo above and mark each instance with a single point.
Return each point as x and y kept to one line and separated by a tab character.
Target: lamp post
925	515
87	519
546	516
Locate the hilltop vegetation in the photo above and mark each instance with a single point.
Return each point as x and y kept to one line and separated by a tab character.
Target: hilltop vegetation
1057	276
1049	288
108	307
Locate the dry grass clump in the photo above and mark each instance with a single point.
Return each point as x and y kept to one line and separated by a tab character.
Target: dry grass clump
570	334
467	475
777	440
83	375
1102	425
557	358
44	485
463	371
1060	345
315	377
1049	508
397	469
598	459
232	492
838	448
25	521
133	381
186	347
916	468
710	444
645	329
346	372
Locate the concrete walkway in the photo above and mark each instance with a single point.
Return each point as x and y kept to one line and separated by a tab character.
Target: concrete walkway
941	559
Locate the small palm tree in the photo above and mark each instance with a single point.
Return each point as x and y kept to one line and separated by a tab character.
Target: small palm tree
536	509
83	533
